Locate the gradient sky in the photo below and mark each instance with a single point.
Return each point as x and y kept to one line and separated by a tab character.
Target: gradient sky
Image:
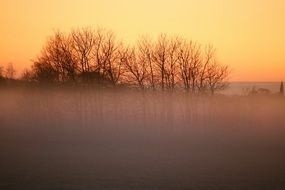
249	35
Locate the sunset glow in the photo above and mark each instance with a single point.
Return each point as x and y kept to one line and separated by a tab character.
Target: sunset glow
249	35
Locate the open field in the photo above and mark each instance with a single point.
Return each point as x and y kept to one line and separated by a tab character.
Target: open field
115	139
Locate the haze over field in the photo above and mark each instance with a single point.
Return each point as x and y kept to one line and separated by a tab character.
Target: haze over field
114	139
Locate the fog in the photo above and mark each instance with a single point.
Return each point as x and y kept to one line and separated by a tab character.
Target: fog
123	139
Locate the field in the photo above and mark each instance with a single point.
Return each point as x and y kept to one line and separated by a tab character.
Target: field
120	139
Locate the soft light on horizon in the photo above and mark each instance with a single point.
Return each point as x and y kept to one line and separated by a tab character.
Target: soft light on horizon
249	35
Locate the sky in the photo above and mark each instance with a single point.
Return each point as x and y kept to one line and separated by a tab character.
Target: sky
249	35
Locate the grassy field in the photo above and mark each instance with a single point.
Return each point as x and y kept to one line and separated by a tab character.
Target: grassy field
118	139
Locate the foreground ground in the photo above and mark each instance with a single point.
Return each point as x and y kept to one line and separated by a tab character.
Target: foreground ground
86	139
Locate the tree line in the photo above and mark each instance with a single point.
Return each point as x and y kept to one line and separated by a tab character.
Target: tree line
95	56
7	72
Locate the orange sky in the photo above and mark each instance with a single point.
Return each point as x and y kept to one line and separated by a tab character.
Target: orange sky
249	35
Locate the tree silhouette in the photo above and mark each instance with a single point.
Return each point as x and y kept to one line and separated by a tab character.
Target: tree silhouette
160	57
44	72
216	75
57	60
96	56
82	43
10	71
281	88
145	56
189	61
172	63
112	58
27	75
1	73
136	69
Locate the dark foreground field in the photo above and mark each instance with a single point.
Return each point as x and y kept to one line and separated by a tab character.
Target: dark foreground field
88	139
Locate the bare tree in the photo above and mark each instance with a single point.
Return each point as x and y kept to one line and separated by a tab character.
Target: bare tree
206	60
189	61
27	75
83	53
145	57
172	63
1	72
160	56
112	52
136	69
10	71
44	72
216	77
97	54
58	54
98	51
281	89
83	42
107	54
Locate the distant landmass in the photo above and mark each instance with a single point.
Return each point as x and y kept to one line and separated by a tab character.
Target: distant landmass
240	88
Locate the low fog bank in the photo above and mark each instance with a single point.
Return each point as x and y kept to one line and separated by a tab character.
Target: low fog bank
121	139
